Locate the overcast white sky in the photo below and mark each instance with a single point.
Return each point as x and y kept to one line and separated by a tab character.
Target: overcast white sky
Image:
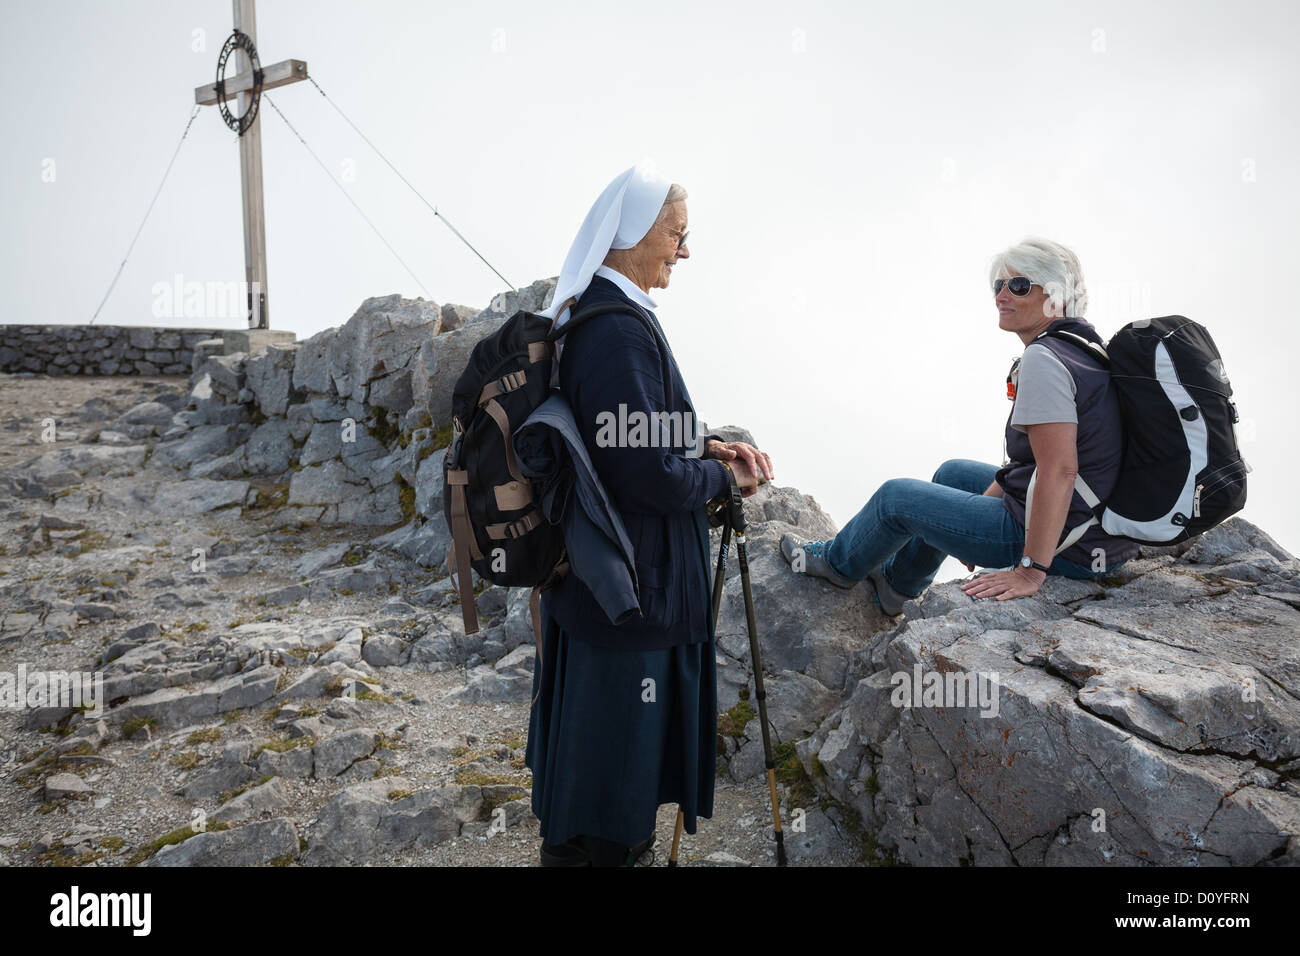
852	167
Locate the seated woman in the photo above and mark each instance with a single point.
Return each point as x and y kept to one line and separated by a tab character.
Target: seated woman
1064	423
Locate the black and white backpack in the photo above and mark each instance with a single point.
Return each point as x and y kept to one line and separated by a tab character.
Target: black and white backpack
1182	472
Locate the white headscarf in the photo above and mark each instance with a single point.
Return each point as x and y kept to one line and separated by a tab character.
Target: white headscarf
619	219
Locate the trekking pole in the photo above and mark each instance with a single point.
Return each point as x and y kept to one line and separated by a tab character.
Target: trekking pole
735	518
719	579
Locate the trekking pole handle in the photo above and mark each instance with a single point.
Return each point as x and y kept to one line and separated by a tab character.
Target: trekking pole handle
736	503
728	506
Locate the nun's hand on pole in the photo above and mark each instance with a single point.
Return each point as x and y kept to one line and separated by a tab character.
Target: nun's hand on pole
746	480
750	466
757	464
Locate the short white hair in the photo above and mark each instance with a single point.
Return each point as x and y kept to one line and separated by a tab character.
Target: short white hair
676	193
1050	265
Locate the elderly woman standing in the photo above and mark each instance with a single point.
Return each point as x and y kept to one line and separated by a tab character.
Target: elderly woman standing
1065	424
625	717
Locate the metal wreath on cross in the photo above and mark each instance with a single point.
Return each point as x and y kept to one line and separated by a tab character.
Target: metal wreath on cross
239	41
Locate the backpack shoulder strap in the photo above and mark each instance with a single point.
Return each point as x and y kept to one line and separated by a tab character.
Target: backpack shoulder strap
1092	348
589	313
604	308
1085	492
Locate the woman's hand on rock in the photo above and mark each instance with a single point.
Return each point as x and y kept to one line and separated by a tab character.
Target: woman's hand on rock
1003	585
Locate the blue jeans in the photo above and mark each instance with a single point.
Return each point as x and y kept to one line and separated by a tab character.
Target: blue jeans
910	526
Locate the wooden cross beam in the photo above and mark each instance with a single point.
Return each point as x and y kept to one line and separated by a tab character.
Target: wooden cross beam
250	156
277	74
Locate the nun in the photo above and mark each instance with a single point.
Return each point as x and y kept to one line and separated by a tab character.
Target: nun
624	717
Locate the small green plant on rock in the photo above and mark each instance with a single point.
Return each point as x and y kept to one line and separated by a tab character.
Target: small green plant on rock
229	795
441	439
133	725
733	722
187	760
171	839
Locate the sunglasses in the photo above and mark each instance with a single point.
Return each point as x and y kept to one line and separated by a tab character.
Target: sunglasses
1019	285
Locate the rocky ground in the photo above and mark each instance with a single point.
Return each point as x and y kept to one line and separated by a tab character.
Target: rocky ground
267	692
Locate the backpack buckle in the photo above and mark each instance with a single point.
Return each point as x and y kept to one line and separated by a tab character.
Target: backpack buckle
453	451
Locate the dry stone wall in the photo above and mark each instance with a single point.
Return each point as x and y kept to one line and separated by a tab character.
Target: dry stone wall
99	349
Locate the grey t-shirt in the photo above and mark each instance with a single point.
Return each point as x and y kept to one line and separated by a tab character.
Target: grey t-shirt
1045	390
1047	379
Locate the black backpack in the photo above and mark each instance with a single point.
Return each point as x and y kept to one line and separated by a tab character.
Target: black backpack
495	525
1182	472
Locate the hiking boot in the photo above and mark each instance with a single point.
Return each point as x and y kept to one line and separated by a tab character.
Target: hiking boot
585	850
565	854
814	559
887	599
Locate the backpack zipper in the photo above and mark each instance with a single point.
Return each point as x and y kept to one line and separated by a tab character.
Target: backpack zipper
1196	502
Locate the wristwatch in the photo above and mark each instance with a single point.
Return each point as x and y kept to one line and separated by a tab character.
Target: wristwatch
1028	562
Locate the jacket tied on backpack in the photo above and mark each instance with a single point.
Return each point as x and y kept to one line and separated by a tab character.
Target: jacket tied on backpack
569	493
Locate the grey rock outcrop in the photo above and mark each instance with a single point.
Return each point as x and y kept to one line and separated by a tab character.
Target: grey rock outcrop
368	359
268	798
65	785
351	420
255	844
1153	719
338	753
376	820
270	377
179	707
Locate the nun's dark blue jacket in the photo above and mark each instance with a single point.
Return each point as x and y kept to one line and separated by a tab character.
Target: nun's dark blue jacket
659	492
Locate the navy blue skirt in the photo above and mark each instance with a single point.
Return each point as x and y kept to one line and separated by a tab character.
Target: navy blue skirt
607	747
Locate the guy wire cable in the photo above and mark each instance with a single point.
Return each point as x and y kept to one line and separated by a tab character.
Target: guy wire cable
146	214
432	207
347	195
